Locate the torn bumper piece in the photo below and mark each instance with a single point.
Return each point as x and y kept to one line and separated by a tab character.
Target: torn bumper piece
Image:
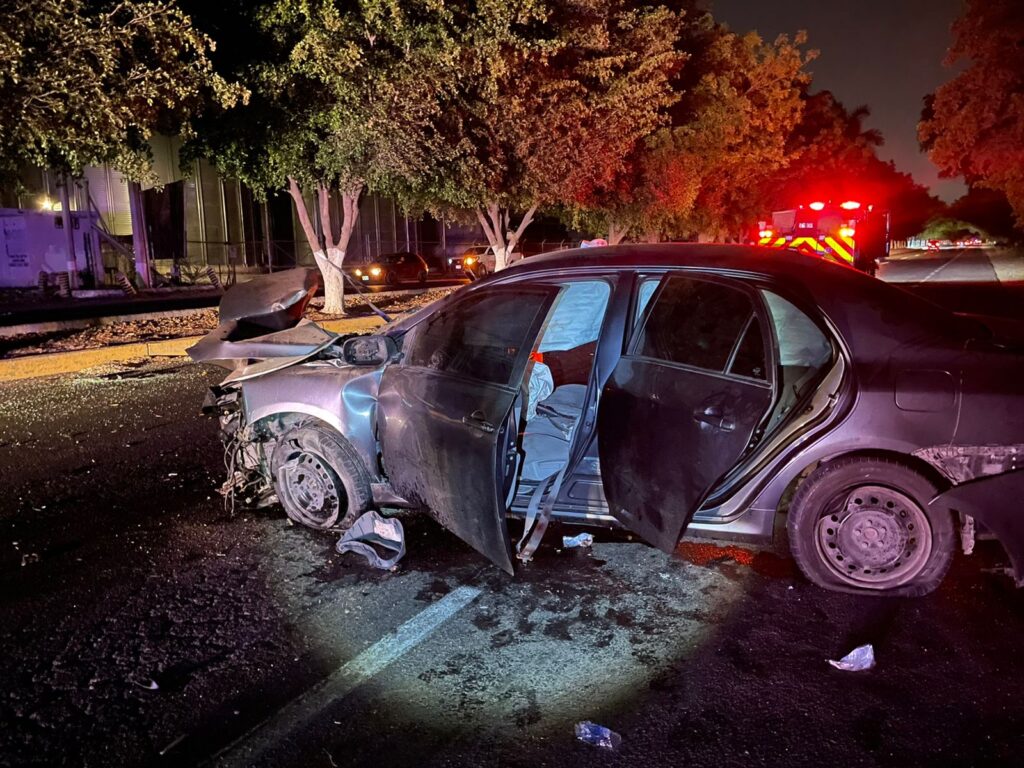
996	501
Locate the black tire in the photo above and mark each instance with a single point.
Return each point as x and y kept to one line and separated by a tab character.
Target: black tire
422	277
391	278
319	478
862	525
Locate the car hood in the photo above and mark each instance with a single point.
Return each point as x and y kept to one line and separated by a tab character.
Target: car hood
261	326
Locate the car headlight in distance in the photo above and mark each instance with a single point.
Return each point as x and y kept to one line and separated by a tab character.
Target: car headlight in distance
469	261
359	272
375	271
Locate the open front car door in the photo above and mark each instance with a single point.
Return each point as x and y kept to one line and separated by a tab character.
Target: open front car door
443	410
683	404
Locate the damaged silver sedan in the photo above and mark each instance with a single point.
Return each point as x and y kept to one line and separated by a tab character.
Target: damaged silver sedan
671	390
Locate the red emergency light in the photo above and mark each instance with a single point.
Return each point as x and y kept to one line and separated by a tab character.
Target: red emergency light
850	205
817	206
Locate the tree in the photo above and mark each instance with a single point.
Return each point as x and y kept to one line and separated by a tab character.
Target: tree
344	95
833	156
82	86
551	97
702	173
988	211
973	126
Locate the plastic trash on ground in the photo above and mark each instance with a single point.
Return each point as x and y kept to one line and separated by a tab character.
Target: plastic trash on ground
579	540
859	659
597	735
375	538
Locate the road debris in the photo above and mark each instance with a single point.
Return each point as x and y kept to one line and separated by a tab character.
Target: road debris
579	540
371	531
860	659
597	735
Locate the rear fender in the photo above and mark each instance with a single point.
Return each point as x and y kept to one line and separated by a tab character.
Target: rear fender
996	501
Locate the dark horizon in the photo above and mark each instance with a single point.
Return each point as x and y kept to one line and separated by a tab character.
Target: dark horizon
882	53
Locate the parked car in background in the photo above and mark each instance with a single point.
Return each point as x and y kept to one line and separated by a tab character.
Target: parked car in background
667	389
392	269
478	260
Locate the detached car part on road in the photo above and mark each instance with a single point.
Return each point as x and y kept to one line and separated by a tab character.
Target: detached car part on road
666	389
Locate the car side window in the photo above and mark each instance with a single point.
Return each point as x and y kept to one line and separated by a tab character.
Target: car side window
801	342
480	337
804	353
749	359
643	297
697	323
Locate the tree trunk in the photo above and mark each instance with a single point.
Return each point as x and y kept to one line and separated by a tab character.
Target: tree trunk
329	252
330	264
494	220
616	233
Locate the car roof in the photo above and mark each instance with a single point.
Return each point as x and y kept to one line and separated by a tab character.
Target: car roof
868	312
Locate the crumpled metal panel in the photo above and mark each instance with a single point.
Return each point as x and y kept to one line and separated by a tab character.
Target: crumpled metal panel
282	348
963	463
990	500
274	302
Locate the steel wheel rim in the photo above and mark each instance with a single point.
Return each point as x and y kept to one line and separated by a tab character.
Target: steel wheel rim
311	491
874	537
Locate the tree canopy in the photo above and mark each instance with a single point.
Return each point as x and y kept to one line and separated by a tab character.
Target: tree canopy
344	98
84	84
739	98
973	126
551	97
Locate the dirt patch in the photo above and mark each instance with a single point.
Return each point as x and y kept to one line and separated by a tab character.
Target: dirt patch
197	323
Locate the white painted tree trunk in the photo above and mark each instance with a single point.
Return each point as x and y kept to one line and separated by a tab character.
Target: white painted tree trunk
330	264
500	257
616	233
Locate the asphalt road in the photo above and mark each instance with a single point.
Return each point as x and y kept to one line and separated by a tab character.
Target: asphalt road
962	279
144	625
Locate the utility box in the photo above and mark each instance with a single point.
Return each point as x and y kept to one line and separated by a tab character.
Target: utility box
33	241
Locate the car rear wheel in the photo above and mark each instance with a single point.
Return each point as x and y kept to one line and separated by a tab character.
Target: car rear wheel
863	525
319	478
422	277
391	278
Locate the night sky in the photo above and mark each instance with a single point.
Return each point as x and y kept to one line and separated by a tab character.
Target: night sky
886	54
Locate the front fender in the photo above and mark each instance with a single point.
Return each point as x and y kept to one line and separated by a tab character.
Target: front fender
997	501
344	397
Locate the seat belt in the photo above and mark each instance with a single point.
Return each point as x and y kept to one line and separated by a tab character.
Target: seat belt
525	551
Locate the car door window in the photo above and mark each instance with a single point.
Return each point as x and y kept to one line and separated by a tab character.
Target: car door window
695	323
480	337
749	359
643	296
804	354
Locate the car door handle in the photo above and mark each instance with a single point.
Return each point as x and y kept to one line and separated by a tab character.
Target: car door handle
477	420
713	415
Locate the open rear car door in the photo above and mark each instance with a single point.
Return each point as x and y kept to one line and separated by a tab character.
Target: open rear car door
444	410
683	404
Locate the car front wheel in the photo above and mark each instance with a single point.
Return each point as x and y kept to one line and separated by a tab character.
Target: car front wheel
863	525
320	480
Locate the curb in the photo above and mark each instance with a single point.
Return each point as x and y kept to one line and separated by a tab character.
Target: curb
53	363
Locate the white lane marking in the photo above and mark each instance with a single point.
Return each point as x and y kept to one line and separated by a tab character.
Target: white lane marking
941	267
300	711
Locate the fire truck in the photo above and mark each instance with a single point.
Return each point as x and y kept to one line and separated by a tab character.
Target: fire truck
847	232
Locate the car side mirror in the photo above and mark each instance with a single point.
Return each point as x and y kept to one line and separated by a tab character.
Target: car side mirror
368	350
